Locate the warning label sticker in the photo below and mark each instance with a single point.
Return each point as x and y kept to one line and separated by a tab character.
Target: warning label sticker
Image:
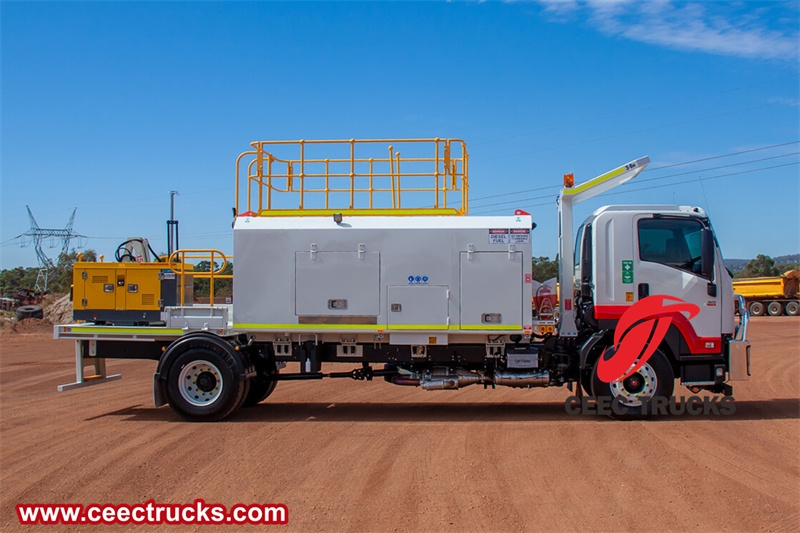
498	236
520	236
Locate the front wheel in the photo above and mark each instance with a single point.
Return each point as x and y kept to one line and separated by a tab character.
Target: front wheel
654	378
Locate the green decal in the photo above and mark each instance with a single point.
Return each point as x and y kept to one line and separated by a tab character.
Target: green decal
627	271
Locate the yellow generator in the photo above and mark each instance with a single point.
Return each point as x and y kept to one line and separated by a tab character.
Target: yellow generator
128	292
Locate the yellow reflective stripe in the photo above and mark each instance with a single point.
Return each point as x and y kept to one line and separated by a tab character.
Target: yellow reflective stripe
483	327
591	183
403	327
125	331
378	327
357	212
310	327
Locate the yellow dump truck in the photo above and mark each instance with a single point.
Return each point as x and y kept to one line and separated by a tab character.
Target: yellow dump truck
774	296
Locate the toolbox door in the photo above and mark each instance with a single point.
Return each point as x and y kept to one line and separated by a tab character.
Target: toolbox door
491	290
337	284
423	307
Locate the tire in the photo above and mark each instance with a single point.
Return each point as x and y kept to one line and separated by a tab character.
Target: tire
756	309
793	308
654	378
262	385
259	391
29	311
202	383
775	309
586	382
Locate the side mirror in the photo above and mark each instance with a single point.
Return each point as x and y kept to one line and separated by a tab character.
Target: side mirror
707	254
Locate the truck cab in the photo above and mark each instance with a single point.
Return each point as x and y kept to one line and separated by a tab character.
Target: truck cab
624	254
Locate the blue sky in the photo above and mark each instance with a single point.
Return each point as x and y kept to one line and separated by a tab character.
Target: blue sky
108	106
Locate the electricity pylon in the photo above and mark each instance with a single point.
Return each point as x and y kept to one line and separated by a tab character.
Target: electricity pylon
37	235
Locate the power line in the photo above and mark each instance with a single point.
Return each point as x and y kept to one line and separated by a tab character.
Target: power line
725	155
719	167
667	166
648	188
705	179
516	192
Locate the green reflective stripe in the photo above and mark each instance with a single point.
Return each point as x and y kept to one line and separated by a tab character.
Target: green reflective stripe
125	331
594	182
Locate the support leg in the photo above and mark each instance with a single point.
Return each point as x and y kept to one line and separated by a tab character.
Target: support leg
81	362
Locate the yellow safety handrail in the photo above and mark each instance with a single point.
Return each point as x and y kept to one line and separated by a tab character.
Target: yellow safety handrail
180	262
286	178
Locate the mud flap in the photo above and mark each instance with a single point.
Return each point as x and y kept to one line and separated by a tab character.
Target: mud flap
159	397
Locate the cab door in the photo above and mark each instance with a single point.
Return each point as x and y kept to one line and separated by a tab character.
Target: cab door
667	261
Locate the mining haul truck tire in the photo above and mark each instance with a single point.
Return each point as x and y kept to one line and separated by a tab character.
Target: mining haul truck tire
29	311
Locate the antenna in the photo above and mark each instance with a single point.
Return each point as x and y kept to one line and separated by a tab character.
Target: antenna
37	235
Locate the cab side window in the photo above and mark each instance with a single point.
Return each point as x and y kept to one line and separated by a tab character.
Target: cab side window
672	242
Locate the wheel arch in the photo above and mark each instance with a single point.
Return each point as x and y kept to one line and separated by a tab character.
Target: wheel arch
593	347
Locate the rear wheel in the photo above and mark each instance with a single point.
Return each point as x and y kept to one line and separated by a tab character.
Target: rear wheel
775	309
29	311
756	309
793	308
202	385
586	381
654	378
262	385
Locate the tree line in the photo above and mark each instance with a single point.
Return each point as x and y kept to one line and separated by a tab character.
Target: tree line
60	279
764	266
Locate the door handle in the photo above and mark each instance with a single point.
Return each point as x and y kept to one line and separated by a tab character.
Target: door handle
644	290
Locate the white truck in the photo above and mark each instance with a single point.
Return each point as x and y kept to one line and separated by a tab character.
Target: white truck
345	257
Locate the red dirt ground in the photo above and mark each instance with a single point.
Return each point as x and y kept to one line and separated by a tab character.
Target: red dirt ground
369	456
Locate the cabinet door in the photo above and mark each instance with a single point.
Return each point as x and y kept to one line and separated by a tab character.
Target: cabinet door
142	289
423	307
337	284
491	291
99	290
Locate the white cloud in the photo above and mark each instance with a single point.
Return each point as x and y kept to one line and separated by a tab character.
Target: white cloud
716	28
560	6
